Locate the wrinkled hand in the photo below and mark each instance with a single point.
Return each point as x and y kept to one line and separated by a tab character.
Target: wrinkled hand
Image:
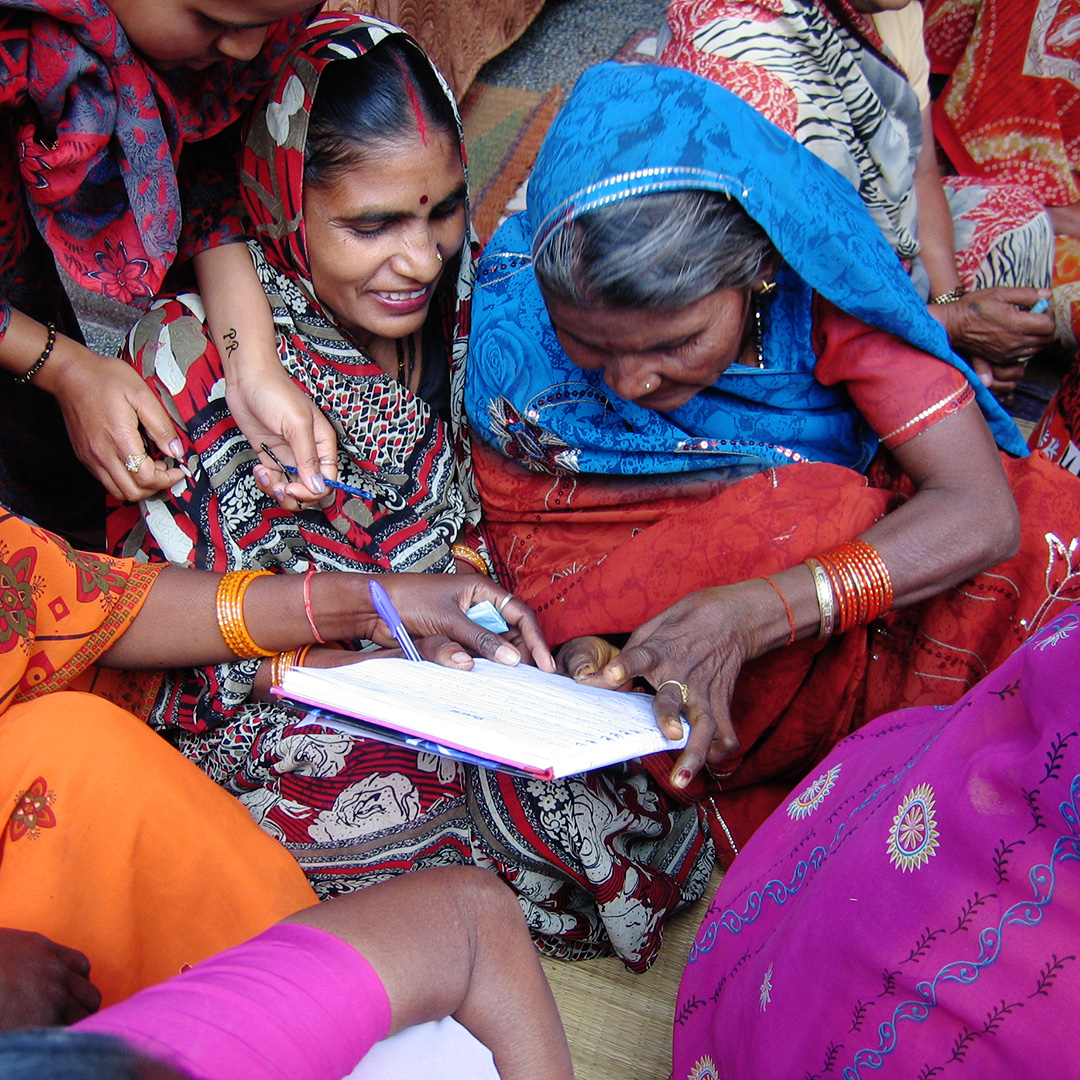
104	402
995	326
584	658
270	408
434	606
42	983
702	640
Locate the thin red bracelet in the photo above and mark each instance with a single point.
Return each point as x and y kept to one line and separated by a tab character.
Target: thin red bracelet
307	605
787	608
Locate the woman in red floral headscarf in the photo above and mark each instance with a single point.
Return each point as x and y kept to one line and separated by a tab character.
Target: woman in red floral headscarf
364	252
98	102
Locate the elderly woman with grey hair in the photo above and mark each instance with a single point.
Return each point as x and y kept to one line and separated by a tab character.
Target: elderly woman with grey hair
723	431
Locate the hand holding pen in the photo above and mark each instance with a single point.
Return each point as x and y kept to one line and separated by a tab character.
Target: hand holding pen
442	612
292	470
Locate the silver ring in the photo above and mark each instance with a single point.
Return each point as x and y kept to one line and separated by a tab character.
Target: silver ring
684	690
503	602
133	462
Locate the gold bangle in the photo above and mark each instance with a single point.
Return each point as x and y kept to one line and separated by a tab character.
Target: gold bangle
229	603
825	599
469	555
949	297
286	661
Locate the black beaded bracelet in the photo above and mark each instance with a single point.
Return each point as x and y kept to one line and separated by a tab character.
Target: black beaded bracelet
34	368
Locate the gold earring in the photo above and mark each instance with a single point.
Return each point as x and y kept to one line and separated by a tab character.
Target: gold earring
438	254
767	287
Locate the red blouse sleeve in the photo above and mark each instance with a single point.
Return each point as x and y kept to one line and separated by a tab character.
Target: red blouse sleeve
899	389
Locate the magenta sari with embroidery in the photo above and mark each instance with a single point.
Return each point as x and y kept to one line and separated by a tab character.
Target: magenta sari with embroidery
914	910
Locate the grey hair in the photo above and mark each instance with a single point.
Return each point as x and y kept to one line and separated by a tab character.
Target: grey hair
662	250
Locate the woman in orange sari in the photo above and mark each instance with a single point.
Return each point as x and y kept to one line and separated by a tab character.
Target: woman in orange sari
114	847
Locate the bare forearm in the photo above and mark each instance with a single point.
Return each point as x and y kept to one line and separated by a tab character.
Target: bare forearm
452	942
961	521
237	312
936	236
177	626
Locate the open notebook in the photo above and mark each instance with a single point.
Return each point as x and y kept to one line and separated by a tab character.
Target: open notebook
518	719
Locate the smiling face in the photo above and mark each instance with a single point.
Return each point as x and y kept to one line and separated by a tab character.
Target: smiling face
375	234
658	359
197	33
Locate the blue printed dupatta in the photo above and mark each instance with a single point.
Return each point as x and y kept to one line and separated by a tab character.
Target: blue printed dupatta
631	130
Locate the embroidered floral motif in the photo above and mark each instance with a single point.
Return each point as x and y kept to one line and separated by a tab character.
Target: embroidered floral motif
33	811
810	798
1058	631
18	610
765	990
703	1069
913	837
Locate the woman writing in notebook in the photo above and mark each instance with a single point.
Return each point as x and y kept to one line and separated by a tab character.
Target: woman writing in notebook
355	189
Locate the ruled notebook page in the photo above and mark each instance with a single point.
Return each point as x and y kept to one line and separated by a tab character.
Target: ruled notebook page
519	715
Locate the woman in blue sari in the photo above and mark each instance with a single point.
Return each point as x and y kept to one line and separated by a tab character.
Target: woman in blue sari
720	421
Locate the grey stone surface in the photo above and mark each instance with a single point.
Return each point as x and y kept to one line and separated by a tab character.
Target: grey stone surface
567	37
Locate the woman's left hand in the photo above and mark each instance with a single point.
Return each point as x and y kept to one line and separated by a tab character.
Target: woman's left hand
700	642
434	605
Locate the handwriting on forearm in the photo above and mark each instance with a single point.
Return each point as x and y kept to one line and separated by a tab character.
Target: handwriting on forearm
231	341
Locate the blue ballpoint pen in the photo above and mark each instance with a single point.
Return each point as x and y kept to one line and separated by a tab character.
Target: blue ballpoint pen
388	613
292	470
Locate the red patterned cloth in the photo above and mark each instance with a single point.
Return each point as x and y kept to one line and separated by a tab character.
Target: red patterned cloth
1011	108
605	554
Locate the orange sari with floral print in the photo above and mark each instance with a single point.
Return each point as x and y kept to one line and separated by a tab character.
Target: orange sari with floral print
112	842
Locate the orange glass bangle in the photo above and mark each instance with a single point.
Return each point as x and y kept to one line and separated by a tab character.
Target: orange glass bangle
229	603
787	608
286	661
469	555
861	583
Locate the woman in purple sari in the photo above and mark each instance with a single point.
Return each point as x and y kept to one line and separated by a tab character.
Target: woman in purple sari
913	910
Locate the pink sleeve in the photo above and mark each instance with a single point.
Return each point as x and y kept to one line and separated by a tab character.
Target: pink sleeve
294	1001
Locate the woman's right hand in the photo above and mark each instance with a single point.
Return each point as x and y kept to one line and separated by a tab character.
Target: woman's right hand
269	408
107	406
702	642
997	326
434	606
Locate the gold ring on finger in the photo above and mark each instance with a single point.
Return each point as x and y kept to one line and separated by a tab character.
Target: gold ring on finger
684	690
133	462
503	602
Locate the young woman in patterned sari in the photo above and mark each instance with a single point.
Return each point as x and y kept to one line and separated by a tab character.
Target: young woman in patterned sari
370	287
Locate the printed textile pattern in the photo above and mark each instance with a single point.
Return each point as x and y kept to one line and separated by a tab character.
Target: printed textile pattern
60	610
598	861
521	382
1011	107
933	860
834	86
793	61
97	136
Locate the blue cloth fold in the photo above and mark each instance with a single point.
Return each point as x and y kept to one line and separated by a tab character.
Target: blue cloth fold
629	130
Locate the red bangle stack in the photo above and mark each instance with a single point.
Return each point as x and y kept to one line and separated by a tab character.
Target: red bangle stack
860	581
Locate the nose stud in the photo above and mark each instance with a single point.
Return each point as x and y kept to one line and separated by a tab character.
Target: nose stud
647	386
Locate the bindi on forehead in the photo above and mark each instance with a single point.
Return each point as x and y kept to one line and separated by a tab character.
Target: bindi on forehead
423	200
